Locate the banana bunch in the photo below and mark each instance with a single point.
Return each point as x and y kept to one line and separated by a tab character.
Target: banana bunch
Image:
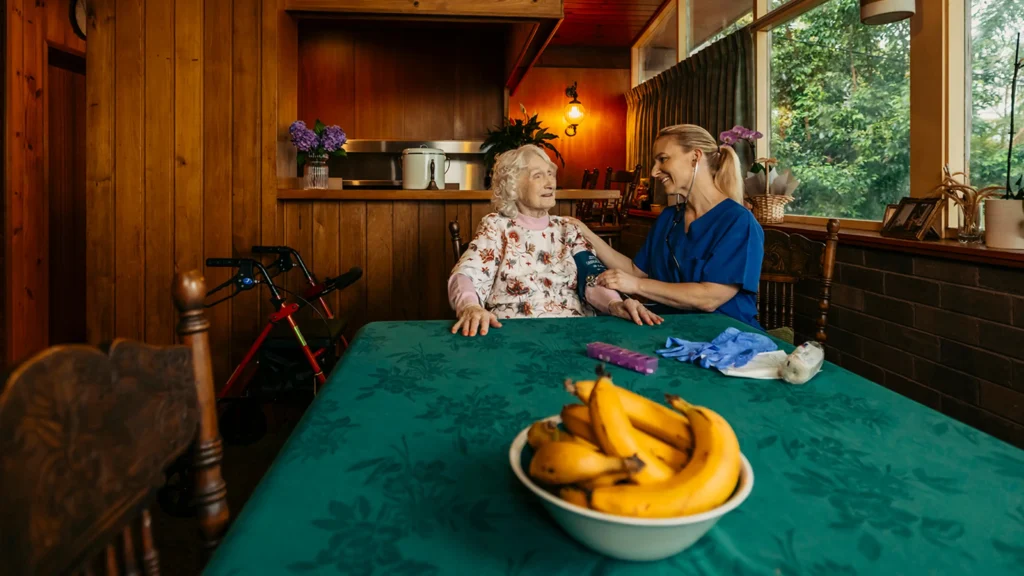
623	454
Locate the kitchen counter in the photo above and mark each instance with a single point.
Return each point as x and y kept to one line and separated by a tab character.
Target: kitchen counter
400	238
289	193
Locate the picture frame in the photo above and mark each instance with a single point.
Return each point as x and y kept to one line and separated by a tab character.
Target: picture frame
913	219
890	209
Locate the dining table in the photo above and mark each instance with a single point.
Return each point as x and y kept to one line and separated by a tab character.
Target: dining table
400	465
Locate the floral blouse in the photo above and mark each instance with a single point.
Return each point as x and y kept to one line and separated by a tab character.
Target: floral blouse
519	270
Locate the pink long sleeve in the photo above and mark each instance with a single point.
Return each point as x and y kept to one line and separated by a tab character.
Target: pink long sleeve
461	293
602	298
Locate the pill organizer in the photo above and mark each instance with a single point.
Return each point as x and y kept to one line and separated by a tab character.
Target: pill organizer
621	357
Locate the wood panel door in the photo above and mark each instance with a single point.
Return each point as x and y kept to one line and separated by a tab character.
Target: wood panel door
66	196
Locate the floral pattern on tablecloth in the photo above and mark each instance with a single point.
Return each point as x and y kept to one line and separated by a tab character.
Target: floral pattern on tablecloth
400	466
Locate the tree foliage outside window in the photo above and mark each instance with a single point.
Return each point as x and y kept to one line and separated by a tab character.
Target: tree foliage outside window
840	104
994	28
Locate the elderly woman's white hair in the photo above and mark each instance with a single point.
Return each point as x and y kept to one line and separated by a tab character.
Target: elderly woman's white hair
508	175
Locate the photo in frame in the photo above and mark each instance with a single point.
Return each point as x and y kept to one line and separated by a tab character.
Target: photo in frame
913	219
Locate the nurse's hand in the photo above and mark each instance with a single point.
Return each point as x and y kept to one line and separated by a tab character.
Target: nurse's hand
475	318
618	280
631	309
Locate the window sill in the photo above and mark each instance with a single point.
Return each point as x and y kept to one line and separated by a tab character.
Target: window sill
948	249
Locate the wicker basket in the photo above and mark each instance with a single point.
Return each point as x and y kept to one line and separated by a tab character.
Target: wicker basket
769	209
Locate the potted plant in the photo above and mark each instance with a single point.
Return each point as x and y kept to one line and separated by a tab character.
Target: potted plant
765	191
314	146
515	133
1004	217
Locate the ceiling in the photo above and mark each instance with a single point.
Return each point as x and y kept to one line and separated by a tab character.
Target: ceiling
603	22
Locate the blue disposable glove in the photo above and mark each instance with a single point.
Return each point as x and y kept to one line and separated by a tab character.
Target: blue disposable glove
730	349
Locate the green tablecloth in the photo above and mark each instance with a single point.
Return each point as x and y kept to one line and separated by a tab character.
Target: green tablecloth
400	466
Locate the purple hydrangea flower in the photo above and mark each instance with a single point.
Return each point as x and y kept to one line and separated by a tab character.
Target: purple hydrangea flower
303	138
334	138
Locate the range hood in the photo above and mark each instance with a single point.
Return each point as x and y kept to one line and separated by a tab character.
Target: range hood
396	146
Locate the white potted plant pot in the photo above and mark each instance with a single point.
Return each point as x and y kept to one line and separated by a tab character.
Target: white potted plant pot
1004	224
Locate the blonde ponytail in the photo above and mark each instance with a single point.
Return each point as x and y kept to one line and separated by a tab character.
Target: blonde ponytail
729	176
723	161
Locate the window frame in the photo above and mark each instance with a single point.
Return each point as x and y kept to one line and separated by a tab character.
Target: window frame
938	103
939	89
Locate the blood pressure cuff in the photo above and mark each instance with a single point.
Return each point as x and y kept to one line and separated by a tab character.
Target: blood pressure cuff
588	268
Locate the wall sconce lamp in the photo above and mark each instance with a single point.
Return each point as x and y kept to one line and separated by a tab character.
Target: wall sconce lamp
574	111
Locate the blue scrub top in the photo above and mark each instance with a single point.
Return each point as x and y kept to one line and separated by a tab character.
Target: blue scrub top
724	246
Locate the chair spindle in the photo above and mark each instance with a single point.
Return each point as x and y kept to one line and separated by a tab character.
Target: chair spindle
150	557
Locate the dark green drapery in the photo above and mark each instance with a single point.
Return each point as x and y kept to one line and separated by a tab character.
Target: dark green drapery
713	88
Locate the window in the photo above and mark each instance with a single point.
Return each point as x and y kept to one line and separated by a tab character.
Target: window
840	111
743	20
712	21
658	52
994	25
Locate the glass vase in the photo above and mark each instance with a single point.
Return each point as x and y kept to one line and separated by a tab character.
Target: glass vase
316	171
969	231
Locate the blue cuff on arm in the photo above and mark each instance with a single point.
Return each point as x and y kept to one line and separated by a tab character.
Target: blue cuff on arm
588	266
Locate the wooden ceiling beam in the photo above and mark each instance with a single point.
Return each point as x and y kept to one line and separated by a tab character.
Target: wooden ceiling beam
532	9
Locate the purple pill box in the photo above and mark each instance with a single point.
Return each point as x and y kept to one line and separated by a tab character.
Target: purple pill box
621	357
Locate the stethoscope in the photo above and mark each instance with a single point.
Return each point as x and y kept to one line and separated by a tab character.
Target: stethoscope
680	207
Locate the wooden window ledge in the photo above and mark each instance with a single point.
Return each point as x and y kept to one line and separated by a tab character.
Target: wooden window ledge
949	249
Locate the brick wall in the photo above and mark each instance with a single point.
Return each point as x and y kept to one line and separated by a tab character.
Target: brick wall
947	334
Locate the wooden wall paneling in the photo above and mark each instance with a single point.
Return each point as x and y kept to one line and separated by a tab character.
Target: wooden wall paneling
159	172
58	27
100	174
434	250
244	221
407	275
479	92
298	233
14	175
130	194
327	90
380	249
219	144
66	165
477	211
28	210
353	253
427	107
325	261
188	135
277	39
378	86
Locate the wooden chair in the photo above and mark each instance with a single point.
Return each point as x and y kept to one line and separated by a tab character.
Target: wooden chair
607	218
85	436
458	247
790	259
585	207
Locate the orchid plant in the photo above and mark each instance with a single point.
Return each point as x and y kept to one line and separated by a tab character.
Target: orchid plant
742	134
320	141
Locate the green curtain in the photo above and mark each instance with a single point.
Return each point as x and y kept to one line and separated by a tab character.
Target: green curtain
713	88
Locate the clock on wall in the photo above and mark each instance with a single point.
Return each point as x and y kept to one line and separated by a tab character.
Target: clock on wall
77	15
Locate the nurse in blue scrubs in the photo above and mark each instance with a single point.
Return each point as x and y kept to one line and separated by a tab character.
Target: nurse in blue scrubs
704	251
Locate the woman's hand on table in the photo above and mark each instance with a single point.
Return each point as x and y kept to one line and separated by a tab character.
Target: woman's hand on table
475	318
619	281
631	309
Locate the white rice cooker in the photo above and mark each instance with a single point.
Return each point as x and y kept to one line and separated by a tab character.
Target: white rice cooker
417	164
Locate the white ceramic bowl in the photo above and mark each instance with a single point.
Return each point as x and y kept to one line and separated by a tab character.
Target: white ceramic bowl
625	538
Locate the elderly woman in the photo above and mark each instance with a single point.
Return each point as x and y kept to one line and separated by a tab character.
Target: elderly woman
525	263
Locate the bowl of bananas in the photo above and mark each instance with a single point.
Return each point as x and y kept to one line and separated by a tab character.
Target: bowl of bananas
628	477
